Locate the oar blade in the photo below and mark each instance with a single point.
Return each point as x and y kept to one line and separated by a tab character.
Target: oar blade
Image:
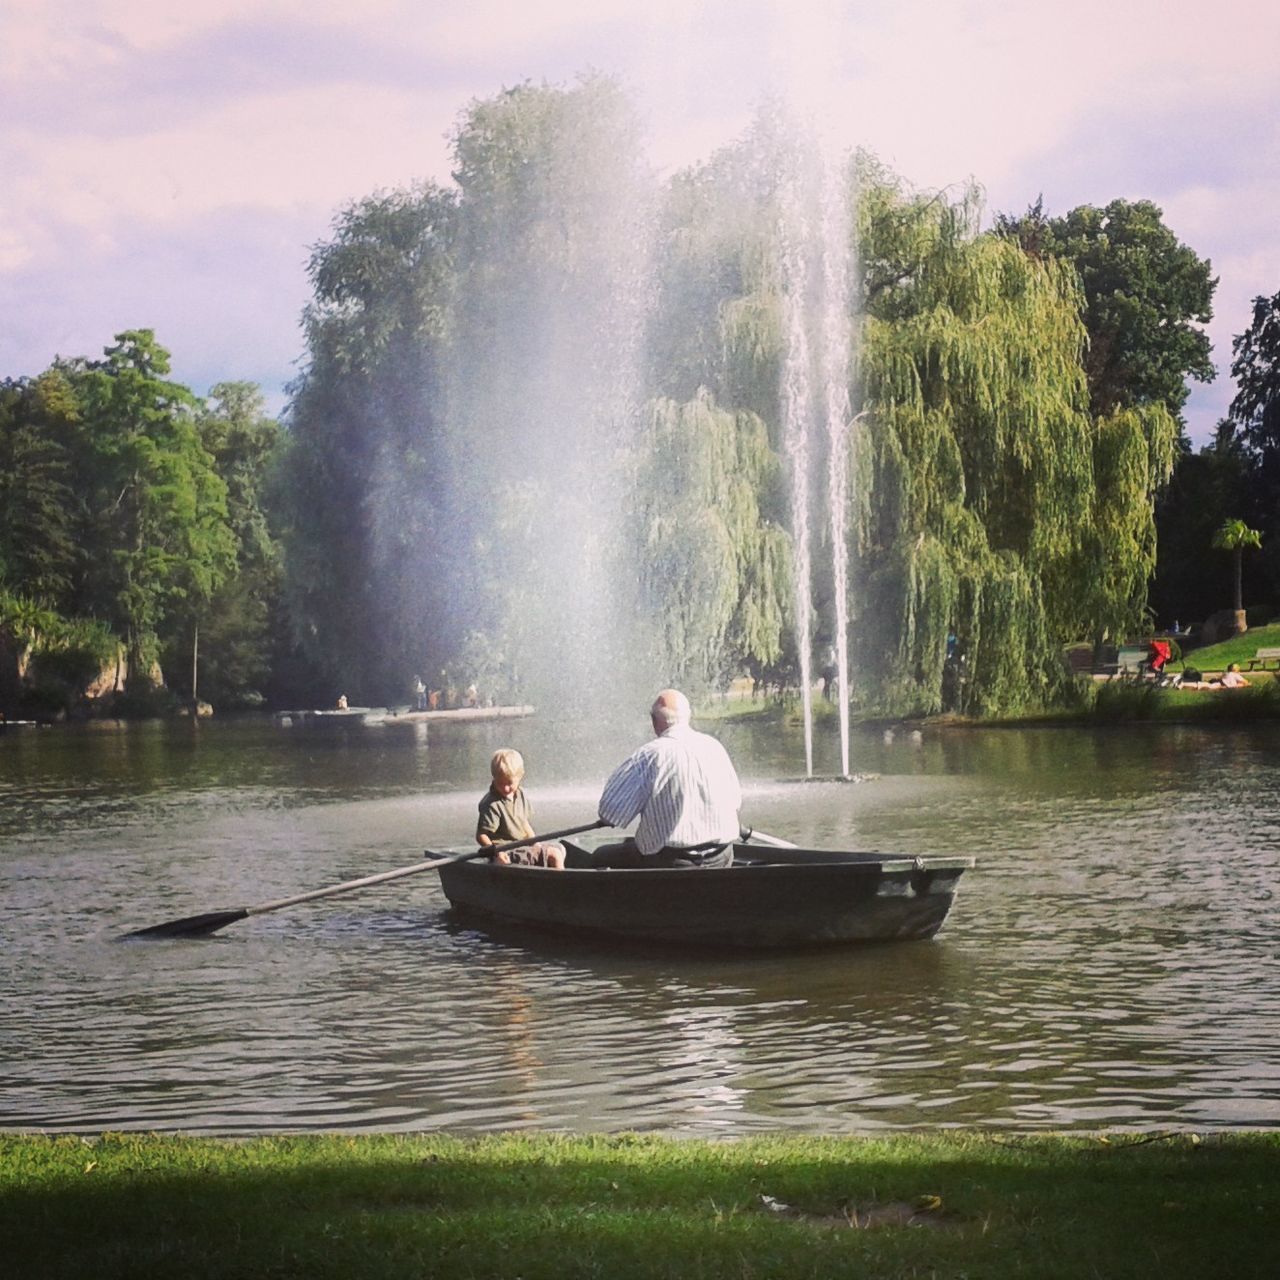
200	926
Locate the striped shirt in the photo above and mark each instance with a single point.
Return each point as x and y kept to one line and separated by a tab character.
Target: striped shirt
683	786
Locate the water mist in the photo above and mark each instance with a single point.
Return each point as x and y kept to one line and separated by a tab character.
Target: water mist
814	233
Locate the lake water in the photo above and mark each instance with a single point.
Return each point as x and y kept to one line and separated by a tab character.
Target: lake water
1110	963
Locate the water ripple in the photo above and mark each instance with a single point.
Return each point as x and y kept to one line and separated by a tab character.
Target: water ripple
1111	962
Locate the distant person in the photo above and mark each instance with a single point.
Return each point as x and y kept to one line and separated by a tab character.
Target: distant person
506	814
342	702
1232	679
472	696
1158	654
683	787
419	694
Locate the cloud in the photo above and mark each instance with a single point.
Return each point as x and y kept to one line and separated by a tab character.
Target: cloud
137	129
224	294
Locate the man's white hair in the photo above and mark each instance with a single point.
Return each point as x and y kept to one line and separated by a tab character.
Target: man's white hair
671	707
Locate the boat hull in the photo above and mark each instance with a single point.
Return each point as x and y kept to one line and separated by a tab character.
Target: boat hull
766	900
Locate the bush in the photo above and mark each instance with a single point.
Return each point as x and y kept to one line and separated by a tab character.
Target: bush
144	702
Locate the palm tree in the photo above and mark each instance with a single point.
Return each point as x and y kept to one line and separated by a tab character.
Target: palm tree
1234	536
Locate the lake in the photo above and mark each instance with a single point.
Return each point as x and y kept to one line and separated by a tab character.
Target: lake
1111	962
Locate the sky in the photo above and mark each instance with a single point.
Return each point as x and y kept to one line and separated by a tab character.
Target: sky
170	166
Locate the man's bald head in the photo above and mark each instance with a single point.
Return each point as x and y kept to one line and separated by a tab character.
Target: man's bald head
669	708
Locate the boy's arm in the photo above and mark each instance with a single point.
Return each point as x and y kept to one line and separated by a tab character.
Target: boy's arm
485	841
487	823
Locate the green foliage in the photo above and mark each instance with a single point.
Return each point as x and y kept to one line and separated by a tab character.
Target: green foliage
716	568
1255	410
1204	490
1124	701
976	467
26	624
154	506
230	632
1253	427
1145	293
1235	536
476	420
365	537
51	660
460	414
38	553
69	658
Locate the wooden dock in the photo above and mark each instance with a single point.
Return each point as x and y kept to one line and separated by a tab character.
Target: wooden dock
396	715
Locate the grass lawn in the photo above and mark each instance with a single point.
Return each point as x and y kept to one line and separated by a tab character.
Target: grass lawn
555	1207
1215	658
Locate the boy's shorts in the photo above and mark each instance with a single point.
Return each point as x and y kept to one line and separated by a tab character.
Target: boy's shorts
536	855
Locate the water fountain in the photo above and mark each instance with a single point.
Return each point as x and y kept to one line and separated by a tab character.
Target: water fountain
815	263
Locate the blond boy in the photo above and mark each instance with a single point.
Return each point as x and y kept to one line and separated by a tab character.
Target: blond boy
506	814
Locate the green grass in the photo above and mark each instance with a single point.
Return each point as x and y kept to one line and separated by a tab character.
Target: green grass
542	1207
1216	657
1131	700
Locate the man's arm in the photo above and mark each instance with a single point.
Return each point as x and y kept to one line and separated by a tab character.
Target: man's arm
629	786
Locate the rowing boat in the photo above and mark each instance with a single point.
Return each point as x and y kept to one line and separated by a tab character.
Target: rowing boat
768	899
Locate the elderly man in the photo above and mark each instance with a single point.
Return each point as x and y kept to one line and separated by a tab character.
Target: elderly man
683	786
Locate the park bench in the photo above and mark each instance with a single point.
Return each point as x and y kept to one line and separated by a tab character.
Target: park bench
1131	661
1260	659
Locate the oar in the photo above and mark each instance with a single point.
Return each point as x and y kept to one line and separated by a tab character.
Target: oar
211	921
763	837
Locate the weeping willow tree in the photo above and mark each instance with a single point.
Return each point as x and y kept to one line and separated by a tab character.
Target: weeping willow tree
986	502
710	555
991	505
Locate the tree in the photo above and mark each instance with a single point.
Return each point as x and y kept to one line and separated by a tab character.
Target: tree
1235	536
1254	418
1145	294
365	539
459	411
984	482
230	632
518	440
716	568
38	553
1255	410
156	507
1206	488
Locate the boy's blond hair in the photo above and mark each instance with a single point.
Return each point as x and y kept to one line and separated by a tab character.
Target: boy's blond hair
507	763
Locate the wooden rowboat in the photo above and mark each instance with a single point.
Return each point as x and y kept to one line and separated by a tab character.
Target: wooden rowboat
769	898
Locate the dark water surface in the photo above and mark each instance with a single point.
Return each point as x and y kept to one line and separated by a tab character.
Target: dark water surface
1111	962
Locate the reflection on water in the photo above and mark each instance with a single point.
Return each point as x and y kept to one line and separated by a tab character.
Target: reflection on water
1110	962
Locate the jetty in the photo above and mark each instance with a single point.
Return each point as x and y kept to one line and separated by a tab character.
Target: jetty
396	715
